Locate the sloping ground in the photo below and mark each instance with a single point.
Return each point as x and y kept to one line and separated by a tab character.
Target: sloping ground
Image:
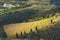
26	14
12	29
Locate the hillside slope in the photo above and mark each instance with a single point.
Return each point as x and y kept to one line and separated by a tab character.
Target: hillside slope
12	29
32	13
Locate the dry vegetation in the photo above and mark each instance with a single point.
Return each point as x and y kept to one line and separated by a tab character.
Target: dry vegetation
12	29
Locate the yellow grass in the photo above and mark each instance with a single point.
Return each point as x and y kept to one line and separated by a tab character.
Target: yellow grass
12	29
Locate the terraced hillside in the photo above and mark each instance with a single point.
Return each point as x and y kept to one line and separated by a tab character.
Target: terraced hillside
12	29
24	19
26	14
